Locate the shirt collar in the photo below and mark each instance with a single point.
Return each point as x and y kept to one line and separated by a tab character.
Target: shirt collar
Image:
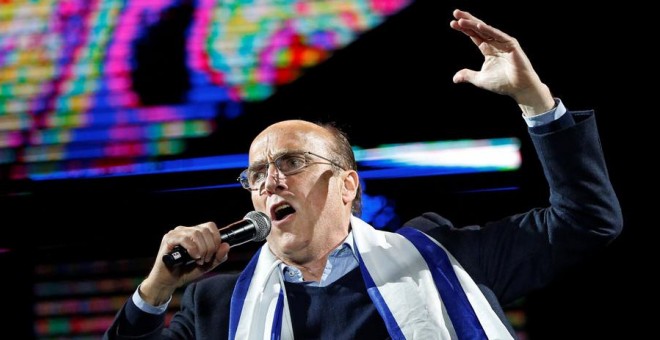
293	274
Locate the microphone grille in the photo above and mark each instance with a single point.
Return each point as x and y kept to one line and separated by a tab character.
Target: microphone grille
262	224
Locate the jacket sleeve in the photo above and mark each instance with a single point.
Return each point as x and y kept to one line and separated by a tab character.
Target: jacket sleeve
523	252
203	314
132	323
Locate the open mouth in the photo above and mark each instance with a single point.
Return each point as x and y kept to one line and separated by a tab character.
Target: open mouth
282	211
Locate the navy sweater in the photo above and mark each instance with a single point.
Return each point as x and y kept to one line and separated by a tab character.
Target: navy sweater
341	310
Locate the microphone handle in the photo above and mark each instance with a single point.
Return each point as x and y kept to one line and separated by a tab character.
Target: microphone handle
178	257
239	234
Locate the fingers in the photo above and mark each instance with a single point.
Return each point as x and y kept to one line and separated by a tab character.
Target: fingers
459	14
202	242
475	28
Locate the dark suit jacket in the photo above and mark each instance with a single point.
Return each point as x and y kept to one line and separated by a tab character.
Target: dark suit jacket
506	258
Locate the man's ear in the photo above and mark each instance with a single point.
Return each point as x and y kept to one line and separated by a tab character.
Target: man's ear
351	184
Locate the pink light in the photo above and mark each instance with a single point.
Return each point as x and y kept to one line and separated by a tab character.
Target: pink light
134	149
126	133
351	20
265	73
117	66
156	114
387	7
201	56
12	139
302	8
122	84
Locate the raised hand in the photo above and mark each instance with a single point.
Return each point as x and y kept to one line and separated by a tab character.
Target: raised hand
506	69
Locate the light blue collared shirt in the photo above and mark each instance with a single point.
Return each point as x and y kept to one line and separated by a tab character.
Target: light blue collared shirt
340	261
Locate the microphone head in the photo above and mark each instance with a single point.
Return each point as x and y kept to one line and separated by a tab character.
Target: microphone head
261	223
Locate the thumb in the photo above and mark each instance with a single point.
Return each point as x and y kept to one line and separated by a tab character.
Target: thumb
464	76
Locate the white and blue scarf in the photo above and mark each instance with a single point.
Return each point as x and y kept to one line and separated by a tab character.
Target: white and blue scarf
418	288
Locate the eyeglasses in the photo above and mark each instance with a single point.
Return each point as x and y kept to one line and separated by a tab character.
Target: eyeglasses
287	164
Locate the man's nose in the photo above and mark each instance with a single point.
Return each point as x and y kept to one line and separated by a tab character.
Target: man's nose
273	178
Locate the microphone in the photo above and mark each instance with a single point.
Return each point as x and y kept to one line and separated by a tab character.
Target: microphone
255	226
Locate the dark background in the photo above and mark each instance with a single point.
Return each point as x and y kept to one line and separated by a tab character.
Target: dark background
394	85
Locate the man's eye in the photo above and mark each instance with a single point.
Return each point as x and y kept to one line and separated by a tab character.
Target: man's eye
256	176
288	163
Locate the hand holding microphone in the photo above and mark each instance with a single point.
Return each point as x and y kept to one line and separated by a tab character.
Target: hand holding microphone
255	226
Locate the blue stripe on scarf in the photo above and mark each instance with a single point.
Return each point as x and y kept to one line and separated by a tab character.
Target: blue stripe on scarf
463	318
276	330
239	294
391	324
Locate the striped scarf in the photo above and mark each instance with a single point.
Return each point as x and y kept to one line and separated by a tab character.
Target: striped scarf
418	288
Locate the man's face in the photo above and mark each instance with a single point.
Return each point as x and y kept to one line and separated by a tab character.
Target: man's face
308	211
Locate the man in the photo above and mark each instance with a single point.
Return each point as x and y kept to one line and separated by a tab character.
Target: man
325	273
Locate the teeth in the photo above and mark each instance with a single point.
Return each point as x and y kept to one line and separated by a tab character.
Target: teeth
283	206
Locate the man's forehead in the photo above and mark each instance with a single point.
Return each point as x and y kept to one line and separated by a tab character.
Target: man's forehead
273	139
276	141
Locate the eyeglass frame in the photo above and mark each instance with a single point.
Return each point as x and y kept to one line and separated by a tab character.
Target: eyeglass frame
243	178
